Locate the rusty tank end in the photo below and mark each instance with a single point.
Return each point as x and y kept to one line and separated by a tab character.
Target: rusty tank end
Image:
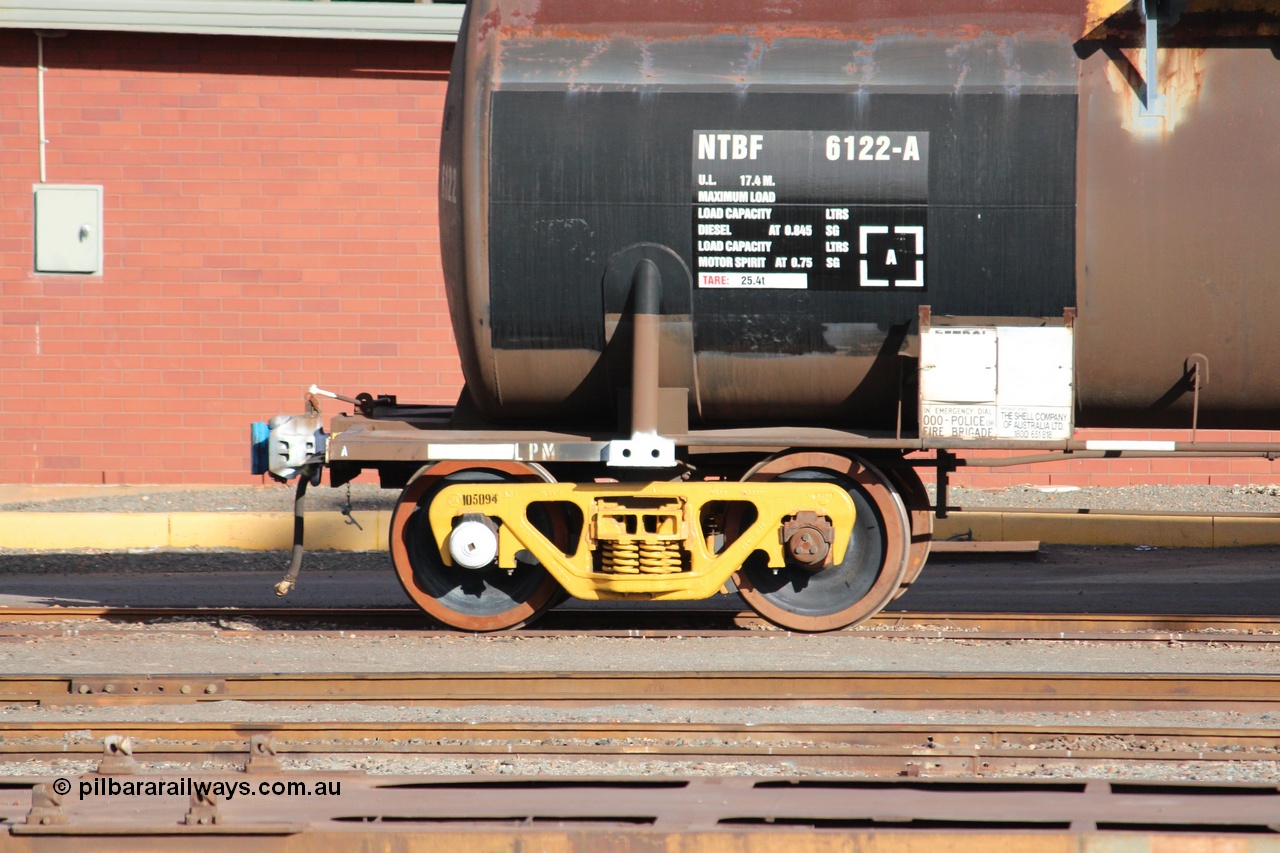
1013	169
1176	223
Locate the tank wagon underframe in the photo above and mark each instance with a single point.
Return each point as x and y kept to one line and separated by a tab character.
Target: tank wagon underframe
397	441
495	525
725	277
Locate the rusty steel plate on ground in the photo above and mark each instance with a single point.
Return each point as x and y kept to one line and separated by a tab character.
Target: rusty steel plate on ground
627	813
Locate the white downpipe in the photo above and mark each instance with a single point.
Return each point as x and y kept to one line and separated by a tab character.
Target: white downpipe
40	100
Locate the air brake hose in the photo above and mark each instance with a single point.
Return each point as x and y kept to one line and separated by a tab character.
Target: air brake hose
290	580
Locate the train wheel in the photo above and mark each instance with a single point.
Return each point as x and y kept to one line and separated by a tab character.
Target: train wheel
469	600
916	498
874	563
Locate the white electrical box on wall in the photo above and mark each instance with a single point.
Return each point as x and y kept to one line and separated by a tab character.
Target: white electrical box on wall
997	382
68	224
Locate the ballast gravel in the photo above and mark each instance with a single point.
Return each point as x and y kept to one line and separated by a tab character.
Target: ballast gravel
1242	773
1254	766
164	653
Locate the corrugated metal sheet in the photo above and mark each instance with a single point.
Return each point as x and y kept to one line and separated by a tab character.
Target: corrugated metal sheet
381	21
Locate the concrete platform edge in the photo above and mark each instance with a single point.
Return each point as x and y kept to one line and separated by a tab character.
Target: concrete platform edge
367	531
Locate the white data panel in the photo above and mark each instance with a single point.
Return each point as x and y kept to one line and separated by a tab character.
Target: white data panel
997	382
958	365
1035	365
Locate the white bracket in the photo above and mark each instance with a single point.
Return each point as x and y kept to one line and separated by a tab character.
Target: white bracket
641	451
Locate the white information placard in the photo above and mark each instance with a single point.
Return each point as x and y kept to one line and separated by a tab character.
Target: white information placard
997	382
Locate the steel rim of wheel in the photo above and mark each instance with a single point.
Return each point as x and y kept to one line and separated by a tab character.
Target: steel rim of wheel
916	498
466	599
875	561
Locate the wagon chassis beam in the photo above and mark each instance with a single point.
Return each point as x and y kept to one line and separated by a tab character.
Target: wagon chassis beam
365	441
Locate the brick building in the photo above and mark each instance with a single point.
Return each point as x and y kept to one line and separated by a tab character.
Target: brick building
268	221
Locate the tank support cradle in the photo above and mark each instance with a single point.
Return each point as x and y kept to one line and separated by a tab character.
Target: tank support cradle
645	448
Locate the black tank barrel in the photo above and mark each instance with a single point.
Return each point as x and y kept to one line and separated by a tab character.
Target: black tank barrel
805	176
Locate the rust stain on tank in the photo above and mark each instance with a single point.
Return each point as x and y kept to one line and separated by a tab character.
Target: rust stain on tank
863	36
1181	81
767	21
862	30
491	22
756	12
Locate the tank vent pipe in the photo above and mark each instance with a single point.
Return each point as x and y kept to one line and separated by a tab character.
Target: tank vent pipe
645	448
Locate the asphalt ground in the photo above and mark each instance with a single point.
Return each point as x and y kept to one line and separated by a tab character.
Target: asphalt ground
1057	579
193	546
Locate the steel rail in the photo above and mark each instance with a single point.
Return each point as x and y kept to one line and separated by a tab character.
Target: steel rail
893	749
910	690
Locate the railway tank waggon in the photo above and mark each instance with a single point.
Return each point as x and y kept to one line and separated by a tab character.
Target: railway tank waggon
719	272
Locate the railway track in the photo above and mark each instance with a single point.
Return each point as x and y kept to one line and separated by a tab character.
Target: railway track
907	763
884	750
36	621
1001	691
500	750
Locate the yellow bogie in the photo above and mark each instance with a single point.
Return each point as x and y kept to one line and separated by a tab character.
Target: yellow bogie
651	542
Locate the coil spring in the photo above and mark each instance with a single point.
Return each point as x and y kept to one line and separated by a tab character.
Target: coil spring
632	557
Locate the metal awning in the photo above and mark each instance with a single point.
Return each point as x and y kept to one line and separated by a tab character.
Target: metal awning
371	20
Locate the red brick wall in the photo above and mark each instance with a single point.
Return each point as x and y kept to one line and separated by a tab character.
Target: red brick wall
269	222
